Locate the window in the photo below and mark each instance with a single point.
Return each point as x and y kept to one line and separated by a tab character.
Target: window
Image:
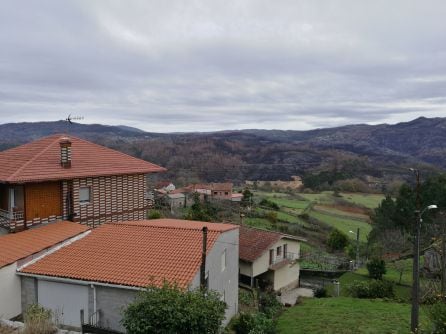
84	195
226	193
215	193
223	260
271	256
285	250
279	251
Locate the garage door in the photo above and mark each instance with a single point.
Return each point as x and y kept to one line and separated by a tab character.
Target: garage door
65	300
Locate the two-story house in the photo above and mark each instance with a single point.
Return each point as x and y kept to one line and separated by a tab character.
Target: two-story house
269	258
60	177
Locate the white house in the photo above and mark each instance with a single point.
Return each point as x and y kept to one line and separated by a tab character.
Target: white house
20	248
102	272
269	258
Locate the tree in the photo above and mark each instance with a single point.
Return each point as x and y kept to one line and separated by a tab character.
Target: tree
376	268
247	198
200	211
337	240
169	309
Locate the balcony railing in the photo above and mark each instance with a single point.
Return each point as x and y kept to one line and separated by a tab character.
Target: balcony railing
11	215
288	257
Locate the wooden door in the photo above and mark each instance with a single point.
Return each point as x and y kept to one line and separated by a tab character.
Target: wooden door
43	200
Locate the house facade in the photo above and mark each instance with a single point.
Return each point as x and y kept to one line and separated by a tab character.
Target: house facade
59	177
103	272
20	248
269	258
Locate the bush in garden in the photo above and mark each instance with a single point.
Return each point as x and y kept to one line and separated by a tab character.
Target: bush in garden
38	320
437	316
254	323
269	305
337	240
320	293
371	289
376	268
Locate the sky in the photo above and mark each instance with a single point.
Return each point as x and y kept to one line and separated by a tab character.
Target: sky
208	65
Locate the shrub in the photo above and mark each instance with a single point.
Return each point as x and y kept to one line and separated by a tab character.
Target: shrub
38	320
371	289
337	240
376	268
254	323
437	317
168	309
269	204
268	304
320	293
154	214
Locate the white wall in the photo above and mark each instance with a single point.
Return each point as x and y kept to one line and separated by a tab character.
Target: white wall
10	292
261	265
287	276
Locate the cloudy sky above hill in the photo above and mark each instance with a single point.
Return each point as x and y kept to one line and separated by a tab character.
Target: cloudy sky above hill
230	64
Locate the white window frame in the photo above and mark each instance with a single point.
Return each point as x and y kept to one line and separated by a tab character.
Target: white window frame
84	201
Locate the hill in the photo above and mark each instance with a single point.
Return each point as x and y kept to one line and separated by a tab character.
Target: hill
377	151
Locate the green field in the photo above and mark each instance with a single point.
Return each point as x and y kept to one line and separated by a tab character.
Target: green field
345	225
290	203
347	316
370	201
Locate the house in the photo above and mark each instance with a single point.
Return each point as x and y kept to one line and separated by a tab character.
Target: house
20	248
102	272
269	258
221	190
236	197
176	200
165	185
59	177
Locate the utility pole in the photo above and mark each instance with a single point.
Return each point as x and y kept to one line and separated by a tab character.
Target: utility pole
416	259
443	261
203	259
357	248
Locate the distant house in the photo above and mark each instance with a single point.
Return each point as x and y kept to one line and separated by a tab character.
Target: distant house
221	190
176	200
59	177
269	258
20	248
236	197
165	185
102	272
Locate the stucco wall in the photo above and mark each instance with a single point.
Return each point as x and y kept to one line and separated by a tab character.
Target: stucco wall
287	276
261	265
10	303
245	268
224	282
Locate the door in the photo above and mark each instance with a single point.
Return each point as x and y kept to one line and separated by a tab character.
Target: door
43	200
65	300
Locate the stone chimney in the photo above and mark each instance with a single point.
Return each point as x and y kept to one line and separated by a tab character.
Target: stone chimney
65	152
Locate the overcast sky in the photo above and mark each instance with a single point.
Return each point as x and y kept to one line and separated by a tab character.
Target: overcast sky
211	65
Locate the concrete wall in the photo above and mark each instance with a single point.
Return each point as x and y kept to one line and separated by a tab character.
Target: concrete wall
224	282
112	302
261	265
287	277
10	303
245	268
29	291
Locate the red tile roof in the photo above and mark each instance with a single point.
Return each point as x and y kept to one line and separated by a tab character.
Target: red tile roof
14	247
40	161
222	186
135	253
254	242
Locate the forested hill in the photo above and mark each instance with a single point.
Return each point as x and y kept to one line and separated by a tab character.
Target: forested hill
379	151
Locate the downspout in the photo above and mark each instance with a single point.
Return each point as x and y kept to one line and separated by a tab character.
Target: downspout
203	259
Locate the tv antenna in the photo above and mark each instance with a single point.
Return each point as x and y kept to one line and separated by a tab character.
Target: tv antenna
70	120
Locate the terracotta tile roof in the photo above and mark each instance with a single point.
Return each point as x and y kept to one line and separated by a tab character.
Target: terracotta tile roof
222	186
134	253
254	242
14	247
40	161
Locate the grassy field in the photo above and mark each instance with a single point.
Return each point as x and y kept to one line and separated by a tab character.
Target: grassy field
347	315
290	203
345	225
370	201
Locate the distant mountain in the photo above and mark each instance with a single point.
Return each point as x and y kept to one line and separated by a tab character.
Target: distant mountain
378	151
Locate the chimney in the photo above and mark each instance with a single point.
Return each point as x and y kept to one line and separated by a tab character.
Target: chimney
65	152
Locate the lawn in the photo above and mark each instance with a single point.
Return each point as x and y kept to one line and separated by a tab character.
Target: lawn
290	203
258	222
346	315
345	225
370	201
